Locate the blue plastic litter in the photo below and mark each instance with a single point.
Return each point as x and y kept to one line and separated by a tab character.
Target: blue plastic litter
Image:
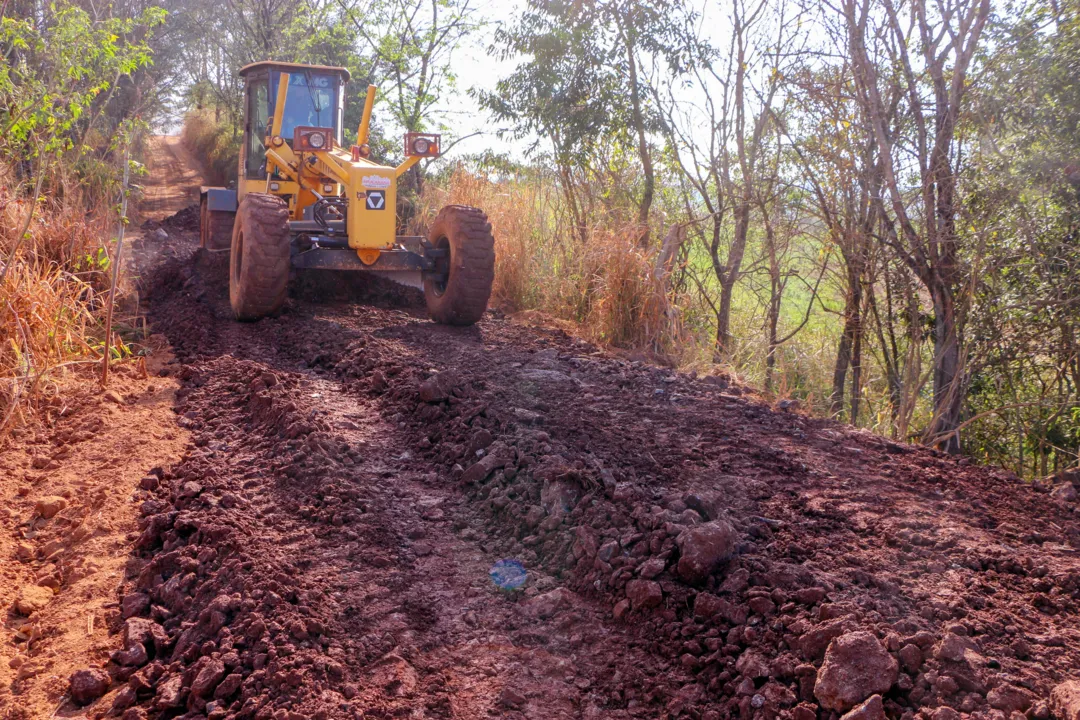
508	574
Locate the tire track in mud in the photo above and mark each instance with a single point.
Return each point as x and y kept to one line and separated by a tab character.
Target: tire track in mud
351	578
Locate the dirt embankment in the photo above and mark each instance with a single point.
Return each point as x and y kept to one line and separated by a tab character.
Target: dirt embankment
68	521
323	547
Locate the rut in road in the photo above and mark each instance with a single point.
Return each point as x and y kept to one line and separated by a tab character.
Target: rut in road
366	567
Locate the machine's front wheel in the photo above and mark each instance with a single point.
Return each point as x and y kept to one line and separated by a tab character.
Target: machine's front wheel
259	263
215	227
458	287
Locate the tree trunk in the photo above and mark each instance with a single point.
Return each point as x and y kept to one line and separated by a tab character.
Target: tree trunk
643	143
852	305
773	320
856	370
730	275
947	391
723	319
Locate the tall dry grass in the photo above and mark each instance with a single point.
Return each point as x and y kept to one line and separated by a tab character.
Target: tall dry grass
214	140
48	298
607	284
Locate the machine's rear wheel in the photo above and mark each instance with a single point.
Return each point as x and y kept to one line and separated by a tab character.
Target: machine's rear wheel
458	288
259	264
215	227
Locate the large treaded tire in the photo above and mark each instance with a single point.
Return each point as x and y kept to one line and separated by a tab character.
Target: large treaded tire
259	263
215	227
457	291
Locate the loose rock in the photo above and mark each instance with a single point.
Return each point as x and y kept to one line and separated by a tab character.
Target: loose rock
856	666
644	594
1065	700
48	506
703	548
32	598
86	686
872	709
439	386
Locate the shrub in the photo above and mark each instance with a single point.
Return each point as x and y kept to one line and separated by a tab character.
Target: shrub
215	142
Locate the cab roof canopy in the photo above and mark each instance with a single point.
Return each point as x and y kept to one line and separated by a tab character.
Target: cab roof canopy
286	67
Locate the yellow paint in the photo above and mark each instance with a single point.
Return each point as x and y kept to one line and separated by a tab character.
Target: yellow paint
404	167
279	106
365	119
370	228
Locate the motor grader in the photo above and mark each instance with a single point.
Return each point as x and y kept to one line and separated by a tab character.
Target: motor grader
303	200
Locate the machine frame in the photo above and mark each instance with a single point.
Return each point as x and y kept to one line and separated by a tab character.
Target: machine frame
341	204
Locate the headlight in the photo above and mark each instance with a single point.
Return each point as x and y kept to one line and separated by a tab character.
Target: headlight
421	146
327	189
317	140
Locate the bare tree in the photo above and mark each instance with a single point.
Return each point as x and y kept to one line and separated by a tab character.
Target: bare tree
722	168
923	53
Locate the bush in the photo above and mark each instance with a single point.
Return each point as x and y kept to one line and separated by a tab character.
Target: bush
606	285
215	142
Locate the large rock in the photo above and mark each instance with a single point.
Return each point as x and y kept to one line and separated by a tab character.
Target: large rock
495	458
1065	492
48	506
856	666
170	693
560	496
439	386
208	678
703	548
32	598
88	685
1010	698
912	658
644	594
815	641
134	604
752	664
961	660
550	603
228	686
1065	700
141	631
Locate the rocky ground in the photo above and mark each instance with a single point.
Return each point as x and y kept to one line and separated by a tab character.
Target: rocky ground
323	548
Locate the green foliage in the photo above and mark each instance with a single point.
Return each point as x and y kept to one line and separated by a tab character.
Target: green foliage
56	71
574	91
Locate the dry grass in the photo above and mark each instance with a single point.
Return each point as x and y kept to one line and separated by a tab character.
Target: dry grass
605	285
216	141
48	299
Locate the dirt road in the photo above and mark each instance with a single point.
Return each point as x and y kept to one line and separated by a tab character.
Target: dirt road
324	547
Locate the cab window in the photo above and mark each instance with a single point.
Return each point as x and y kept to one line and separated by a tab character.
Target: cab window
258	117
309	102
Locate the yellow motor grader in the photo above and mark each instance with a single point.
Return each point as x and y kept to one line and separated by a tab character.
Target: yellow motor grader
303	200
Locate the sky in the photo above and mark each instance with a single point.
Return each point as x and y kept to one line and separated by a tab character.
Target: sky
476	69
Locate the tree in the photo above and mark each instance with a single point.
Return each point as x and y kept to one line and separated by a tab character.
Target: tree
584	89
927	54
57	66
738	88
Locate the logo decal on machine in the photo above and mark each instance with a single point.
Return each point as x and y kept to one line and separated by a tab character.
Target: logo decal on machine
375	182
376	200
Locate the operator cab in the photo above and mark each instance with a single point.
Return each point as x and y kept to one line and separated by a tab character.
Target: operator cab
315	98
